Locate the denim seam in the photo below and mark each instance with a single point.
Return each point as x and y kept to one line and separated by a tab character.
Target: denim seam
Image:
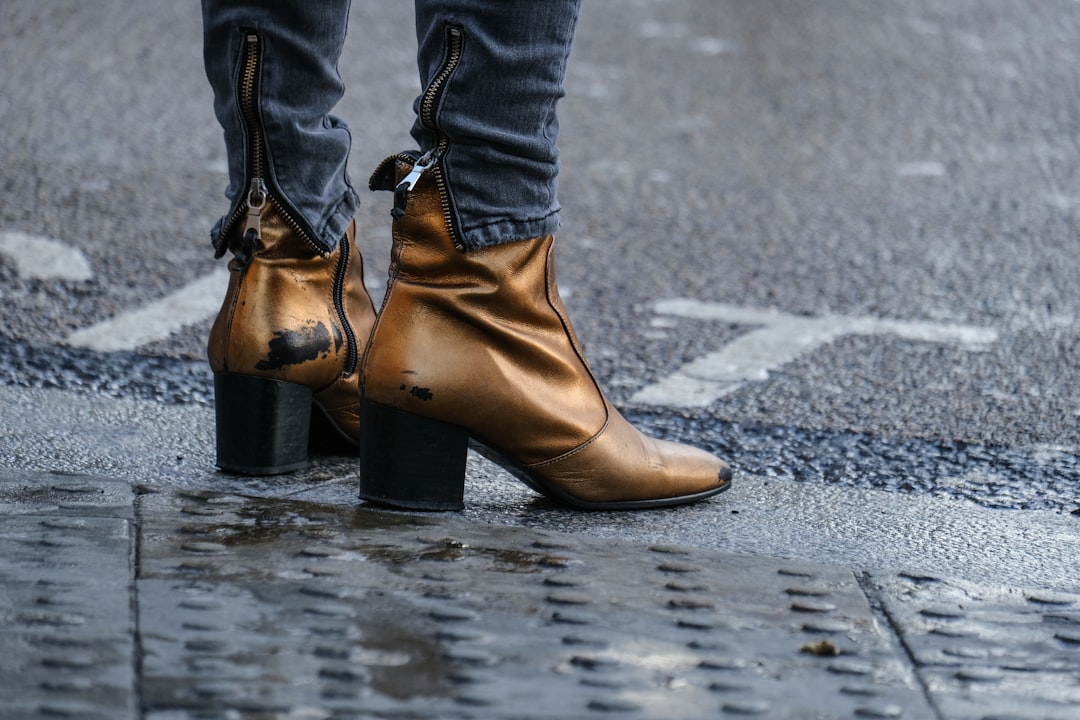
345	209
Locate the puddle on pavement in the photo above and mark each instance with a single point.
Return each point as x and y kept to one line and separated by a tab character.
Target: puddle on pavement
256	521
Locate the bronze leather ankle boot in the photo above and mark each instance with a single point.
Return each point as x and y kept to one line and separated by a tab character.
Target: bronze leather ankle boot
288	338
477	346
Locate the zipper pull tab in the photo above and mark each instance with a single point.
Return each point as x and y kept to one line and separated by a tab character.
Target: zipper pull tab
401	191
256	201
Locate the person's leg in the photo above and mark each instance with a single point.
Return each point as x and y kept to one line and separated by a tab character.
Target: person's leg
296	316
472	341
492	74
273	69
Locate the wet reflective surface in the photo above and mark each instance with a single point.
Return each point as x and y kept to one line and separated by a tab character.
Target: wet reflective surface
434	617
161	602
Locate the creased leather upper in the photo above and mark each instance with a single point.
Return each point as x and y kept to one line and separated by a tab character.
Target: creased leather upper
279	319
481	339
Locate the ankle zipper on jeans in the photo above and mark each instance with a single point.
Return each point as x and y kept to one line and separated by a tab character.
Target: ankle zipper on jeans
420	165
248	99
257	197
433	159
455	41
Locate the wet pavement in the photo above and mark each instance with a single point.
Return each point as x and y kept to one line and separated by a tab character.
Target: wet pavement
877	327
146	585
158	602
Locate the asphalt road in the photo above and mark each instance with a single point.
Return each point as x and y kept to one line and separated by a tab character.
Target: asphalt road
833	241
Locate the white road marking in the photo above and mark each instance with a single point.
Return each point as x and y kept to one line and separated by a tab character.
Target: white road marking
710	46
651	29
780	339
1063	202
156	321
921	169
44	258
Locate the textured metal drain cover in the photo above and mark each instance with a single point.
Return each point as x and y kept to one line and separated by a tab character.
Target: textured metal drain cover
987	652
267	608
231	607
67	630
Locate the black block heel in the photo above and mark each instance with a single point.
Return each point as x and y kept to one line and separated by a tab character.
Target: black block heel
411	462
262	424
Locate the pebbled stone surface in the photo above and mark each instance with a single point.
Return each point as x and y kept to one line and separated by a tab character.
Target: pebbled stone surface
982	473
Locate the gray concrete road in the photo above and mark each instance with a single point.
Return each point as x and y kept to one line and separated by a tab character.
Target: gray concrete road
833	241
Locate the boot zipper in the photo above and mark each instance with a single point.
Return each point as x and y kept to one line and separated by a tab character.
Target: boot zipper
432	159
249	111
351	357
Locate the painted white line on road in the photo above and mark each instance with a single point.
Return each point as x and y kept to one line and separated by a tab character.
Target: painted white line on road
921	169
1063	202
156	321
43	258
781	339
711	46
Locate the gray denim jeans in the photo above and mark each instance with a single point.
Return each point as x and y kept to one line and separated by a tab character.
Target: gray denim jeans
497	66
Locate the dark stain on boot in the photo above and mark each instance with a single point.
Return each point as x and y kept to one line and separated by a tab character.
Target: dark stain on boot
339	340
422	393
292	347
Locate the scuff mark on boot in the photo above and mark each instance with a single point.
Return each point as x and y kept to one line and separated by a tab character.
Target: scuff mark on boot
424	394
292	347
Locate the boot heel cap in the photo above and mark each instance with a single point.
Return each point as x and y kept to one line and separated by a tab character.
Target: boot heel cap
411	462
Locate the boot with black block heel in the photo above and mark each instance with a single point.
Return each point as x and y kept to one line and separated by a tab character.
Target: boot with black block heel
286	345
476	347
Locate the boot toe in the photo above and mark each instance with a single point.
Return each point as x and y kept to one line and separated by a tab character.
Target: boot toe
620	468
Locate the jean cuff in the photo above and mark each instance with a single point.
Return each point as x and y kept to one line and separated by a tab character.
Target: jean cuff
508	230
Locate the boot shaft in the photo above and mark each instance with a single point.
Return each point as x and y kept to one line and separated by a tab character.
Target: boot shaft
454	321
291	313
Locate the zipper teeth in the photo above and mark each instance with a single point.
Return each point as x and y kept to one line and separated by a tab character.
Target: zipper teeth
297	229
434	91
249	111
249	107
448	215
250	116
339	305
455	43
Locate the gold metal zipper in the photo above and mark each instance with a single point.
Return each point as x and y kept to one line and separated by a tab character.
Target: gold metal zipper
249	106
258	194
455	42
